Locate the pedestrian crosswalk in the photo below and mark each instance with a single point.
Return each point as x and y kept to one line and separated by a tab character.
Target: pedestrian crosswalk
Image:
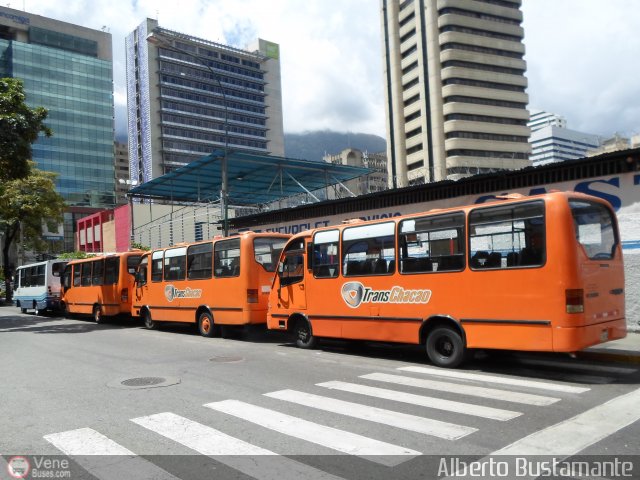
471	398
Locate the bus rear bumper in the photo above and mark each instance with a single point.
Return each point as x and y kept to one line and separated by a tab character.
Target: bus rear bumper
573	339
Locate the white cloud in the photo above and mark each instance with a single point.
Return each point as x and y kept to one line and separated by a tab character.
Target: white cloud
581	54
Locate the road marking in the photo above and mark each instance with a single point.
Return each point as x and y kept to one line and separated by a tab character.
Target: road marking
577	366
505	395
93	451
427	426
333	438
575	434
86	441
517	382
244	457
431	402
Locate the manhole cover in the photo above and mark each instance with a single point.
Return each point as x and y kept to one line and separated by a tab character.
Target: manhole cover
143	381
226	359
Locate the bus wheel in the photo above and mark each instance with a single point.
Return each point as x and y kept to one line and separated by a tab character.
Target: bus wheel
205	325
303	336
445	347
23	310
97	314
148	321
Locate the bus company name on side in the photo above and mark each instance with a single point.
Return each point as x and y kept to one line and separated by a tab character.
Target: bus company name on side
355	293
171	293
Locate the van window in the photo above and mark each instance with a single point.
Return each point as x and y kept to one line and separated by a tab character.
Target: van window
267	251
595	229
326	259
98	272
86	274
156	266
292	263
111	270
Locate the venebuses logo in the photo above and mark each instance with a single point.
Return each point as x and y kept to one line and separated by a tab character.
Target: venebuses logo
355	293
171	293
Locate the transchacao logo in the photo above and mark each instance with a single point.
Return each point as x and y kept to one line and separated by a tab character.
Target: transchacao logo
355	294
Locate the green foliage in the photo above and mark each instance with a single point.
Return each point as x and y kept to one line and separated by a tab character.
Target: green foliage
19	128
75	255
140	246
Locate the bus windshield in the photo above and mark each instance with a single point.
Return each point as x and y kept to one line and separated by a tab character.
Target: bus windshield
267	251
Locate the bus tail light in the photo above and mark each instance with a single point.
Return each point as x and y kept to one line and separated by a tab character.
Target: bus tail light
252	295
575	300
124	295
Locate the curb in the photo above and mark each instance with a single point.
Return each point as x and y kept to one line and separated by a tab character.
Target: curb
624	356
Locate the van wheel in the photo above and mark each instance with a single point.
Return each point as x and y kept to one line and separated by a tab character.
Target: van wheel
303	336
148	321
205	325
97	314
445	347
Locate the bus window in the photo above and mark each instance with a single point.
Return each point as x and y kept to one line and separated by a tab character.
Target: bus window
132	263
595	229
141	275
325	254
432	244
86	274
66	276
39	279
507	236
267	251
292	268
175	260
76	275
98	272
199	261
227	258
369	250
156	266
111	270
58	268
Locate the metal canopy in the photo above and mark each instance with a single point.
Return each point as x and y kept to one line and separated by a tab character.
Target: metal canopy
252	179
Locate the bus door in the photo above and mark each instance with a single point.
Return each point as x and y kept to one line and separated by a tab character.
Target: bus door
292	293
603	278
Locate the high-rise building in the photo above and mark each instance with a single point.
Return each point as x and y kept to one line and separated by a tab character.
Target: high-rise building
540	119
455	88
121	172
187	96
68	70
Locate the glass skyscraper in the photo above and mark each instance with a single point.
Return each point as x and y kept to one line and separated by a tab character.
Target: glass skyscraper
68	70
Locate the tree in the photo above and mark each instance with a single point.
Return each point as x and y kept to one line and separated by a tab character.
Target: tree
26	204
20	126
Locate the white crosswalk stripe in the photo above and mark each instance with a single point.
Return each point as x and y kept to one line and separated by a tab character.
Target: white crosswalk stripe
483	392
431	402
427	426
93	451
244	457
333	438
513	381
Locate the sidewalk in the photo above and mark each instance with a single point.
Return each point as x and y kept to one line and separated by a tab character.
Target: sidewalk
624	350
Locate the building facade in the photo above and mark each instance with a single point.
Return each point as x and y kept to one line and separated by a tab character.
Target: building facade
187	96
121	172
556	144
455	88
376	181
68	70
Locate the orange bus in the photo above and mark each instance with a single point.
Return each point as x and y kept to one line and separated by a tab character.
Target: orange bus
539	273
217	283
100	286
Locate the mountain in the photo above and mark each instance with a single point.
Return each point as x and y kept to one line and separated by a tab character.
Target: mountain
314	145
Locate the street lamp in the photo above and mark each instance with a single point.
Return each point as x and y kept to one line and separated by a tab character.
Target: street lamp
159	40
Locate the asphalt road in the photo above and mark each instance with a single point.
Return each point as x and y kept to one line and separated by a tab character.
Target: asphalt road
124	402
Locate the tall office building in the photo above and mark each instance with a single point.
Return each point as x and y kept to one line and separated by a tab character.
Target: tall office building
455	88
187	96
68	70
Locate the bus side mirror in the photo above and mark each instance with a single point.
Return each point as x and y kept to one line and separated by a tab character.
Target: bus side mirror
140	278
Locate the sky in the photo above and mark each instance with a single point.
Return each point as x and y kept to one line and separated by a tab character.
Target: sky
582	55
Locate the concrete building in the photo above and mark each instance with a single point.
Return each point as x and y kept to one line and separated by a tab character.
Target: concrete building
539	119
121	171
615	143
68	70
187	96
455	88
374	182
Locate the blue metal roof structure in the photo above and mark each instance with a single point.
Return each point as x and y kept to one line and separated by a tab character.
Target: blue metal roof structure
252	179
